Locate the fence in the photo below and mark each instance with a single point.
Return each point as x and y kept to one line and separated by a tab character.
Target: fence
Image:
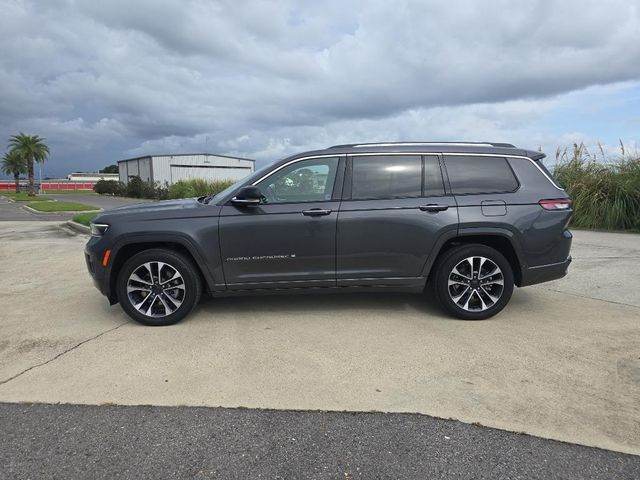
48	185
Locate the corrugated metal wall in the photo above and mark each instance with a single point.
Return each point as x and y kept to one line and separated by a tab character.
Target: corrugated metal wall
171	168
179	172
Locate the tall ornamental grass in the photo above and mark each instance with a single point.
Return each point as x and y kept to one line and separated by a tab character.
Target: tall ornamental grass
605	194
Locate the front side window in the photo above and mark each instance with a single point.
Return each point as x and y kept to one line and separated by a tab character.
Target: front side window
305	181
386	176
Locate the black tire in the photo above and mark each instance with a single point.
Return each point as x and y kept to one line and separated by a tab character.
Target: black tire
445	294
161	313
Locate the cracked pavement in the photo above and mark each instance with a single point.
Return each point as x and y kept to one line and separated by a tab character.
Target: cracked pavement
561	362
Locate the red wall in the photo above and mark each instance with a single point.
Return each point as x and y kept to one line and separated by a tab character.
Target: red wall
9	185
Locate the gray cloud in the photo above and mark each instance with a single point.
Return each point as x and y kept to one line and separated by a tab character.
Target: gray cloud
103	80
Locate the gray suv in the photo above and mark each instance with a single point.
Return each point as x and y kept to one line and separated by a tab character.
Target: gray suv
466	220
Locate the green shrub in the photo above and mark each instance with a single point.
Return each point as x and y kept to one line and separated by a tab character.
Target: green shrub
161	192
605	194
197	187
135	188
109	187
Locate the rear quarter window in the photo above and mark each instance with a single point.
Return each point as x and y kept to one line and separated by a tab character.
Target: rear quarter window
476	174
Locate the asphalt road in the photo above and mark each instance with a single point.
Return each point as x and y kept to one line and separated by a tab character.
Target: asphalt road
102	201
66	441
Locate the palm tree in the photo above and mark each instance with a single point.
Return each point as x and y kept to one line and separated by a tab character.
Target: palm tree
12	164
30	148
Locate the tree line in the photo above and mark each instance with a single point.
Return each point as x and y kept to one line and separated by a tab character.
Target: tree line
23	151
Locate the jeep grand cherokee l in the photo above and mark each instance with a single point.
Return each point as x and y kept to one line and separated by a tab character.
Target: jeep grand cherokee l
468	220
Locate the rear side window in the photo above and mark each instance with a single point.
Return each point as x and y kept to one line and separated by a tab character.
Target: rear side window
547	173
386	176
480	175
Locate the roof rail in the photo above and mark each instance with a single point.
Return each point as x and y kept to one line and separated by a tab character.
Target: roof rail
417	144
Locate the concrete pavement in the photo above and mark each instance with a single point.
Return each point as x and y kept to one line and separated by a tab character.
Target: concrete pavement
556	363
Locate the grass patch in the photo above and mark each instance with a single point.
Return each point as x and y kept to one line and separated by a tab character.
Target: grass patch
60	206
23	197
84	218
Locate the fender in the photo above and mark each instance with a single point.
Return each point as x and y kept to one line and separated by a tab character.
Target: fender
474	231
498	232
179	238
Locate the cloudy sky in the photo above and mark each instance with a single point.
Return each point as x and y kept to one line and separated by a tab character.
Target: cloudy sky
106	80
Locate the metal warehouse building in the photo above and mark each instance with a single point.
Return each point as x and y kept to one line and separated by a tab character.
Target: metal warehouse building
171	168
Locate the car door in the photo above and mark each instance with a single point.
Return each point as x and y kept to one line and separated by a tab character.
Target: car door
289	239
394	209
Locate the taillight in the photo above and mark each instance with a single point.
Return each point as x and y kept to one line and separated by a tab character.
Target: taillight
557	204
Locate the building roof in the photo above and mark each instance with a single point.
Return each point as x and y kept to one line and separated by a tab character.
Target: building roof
186	155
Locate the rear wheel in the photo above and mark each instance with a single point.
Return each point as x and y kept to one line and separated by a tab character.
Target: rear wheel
473	282
158	287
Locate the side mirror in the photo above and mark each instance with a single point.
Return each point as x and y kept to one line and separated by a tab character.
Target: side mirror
247	196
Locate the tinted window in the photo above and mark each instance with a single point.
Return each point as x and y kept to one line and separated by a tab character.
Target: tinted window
544	168
432	177
386	176
305	181
480	174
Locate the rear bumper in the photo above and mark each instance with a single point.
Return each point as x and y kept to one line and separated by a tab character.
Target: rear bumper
544	273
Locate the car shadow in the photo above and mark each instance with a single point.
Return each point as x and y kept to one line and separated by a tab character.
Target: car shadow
322	303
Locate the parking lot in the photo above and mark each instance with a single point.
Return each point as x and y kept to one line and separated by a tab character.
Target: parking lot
561	362
14	211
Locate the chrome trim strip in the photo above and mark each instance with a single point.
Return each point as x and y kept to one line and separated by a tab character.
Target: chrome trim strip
551	264
413	153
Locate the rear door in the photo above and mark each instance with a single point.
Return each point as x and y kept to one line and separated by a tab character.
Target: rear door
395	207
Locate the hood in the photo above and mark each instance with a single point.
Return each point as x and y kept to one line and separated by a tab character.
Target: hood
155	211
163	205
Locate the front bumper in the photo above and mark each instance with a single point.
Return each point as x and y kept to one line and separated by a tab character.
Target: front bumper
99	274
544	273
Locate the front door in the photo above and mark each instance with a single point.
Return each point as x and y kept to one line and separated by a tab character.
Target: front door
289	239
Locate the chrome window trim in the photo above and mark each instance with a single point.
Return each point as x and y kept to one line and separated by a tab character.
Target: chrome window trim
460	154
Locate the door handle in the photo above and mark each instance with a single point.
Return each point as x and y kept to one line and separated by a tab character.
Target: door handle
433	207
316	212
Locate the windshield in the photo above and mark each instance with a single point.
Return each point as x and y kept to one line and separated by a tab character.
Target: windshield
214	199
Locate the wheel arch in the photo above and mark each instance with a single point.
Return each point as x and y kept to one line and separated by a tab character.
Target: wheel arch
499	239
126	249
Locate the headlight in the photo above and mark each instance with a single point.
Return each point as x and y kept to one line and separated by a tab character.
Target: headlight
98	229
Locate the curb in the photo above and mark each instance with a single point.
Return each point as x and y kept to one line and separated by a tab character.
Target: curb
78	227
74	212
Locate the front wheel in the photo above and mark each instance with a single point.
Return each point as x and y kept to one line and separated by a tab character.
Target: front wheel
158	287
473	282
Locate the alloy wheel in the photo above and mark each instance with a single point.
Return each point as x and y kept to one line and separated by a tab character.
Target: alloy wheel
156	289
476	284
